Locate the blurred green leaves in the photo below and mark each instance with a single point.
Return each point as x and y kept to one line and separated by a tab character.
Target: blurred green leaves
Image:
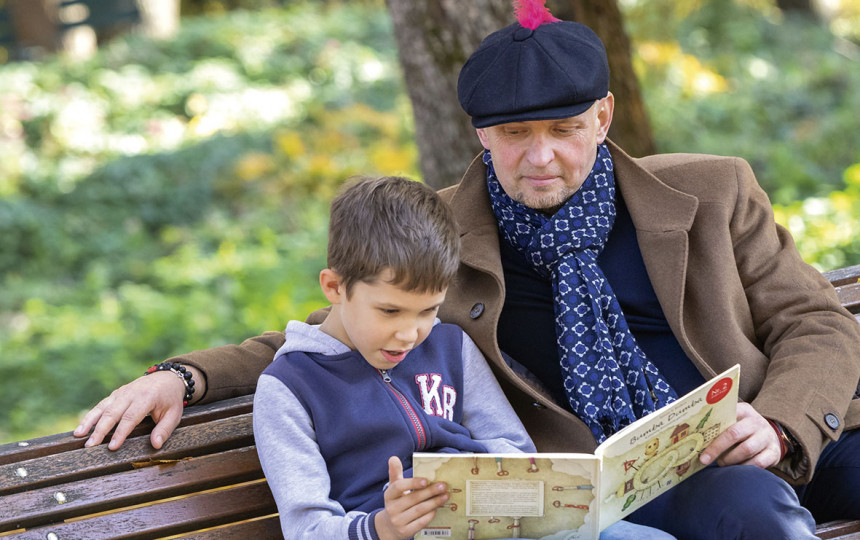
169	196
737	78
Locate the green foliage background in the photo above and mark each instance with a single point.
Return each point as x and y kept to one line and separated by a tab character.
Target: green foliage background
169	196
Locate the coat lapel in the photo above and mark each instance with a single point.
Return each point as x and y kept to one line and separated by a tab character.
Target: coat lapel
663	217
479	232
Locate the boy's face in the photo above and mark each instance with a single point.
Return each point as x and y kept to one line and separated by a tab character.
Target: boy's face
381	321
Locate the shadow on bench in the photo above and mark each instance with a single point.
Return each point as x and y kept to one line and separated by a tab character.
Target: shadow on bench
204	483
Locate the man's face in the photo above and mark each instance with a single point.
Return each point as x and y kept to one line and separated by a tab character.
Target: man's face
541	163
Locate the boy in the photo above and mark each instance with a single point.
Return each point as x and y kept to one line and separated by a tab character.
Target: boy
379	377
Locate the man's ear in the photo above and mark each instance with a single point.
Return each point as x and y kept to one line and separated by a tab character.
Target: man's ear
484	138
604	116
330	283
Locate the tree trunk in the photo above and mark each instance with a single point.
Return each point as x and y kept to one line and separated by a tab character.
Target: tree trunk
435	37
631	128
35	26
805	8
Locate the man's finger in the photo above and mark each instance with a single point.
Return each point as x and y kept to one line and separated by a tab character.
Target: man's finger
727	439
165	426
744	451
109	418
90	419
131	417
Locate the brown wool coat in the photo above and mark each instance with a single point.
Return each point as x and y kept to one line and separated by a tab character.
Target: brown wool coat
731	284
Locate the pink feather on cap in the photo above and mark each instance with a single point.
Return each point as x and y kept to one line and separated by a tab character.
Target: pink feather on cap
532	13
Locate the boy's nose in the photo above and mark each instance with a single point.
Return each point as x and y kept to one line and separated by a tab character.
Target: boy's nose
407	335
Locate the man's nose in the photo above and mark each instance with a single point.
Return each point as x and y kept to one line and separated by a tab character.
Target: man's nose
540	152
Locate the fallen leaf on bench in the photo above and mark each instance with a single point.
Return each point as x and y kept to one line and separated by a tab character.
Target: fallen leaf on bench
151	462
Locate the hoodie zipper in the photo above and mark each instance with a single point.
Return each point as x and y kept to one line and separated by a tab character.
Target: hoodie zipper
410	412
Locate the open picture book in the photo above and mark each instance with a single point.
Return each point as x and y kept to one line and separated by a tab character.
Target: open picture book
535	495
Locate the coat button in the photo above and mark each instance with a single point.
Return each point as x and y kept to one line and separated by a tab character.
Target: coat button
476	310
832	420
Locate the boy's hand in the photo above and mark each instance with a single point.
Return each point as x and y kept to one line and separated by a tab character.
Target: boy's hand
410	504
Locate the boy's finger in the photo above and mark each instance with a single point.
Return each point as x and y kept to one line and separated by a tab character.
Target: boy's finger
395	469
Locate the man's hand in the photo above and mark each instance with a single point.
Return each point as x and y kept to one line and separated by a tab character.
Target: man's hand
410	504
750	441
158	394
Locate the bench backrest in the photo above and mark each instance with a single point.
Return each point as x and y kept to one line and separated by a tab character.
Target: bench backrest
846	281
206	475
205	482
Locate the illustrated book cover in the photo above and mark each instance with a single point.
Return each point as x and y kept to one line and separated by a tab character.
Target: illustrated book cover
578	495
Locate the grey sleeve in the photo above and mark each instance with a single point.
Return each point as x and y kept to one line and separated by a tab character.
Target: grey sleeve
296	471
487	414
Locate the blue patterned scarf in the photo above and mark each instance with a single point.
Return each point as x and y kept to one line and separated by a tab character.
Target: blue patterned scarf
608	380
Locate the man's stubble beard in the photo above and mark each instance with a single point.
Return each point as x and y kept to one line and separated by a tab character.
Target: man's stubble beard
547	204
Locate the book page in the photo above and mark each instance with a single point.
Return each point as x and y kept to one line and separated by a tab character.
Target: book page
512	495
660	450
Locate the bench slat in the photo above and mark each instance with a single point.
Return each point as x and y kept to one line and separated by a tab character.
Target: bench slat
844	530
849	296
843	276
178	516
195	440
268	527
84	497
63	442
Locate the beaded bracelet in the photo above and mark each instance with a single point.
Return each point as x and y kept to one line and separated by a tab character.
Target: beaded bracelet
180	372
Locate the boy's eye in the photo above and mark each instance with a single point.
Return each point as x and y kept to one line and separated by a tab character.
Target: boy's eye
388	311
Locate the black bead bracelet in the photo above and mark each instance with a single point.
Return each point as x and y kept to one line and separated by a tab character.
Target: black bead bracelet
180	372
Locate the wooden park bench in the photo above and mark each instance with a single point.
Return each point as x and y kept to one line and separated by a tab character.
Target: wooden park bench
205	482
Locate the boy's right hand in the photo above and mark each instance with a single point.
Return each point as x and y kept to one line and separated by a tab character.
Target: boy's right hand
410	504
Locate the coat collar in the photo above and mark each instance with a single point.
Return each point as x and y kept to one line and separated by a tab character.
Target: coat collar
648	199
479	231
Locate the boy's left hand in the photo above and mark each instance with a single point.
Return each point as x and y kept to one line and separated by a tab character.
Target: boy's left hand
410	504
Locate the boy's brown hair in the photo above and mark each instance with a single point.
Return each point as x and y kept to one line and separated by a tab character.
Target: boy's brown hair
397	223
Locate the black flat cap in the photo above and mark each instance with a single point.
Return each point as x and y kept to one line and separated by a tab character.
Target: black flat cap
557	70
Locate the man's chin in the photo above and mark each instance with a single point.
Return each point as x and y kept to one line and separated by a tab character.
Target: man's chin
548	205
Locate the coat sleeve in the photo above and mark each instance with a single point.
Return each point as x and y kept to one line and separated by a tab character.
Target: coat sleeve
232	370
811	341
487	414
296	471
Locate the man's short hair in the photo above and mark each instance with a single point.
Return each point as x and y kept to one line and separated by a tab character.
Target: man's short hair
397	223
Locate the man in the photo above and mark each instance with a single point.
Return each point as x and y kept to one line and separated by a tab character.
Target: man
612	285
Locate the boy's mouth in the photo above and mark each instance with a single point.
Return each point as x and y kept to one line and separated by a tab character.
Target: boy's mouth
395	357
